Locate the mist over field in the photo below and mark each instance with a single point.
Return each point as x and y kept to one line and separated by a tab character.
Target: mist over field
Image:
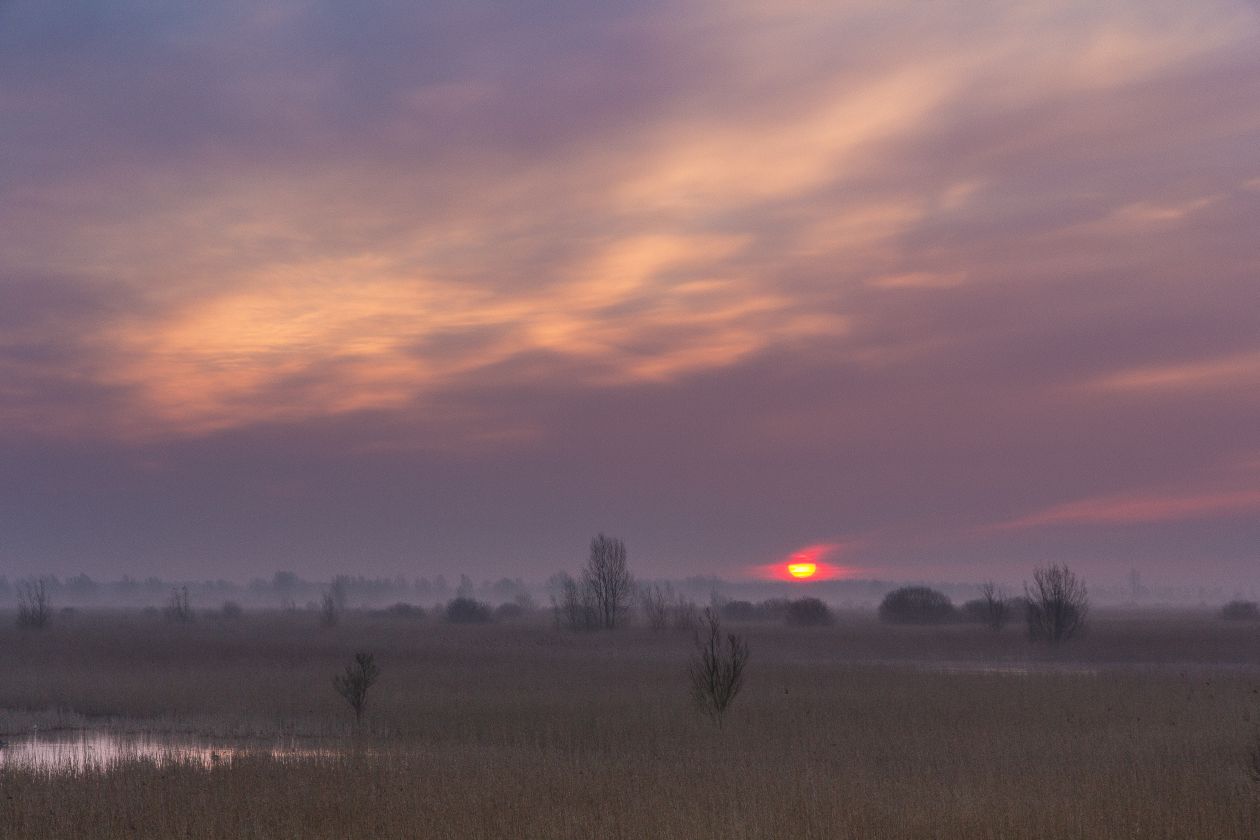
286	589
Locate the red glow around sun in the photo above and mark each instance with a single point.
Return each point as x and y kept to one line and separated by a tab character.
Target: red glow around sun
806	564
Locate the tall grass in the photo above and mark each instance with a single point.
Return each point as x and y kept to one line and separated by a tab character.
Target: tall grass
526	732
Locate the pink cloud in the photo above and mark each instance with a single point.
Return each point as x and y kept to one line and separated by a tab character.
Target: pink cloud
1138	509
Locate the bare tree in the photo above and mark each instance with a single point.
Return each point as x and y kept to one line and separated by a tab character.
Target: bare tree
340	592
353	685
997	611
686	614
608	579
655	603
34	605
717	669
328	612
178	606
575	606
1057	604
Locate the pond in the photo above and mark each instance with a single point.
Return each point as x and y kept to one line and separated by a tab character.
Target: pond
74	751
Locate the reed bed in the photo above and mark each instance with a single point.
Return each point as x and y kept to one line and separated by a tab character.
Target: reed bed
522	731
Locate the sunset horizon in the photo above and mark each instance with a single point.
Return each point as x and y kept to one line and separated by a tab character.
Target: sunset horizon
635	419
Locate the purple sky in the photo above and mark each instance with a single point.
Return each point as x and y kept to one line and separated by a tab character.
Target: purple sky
416	288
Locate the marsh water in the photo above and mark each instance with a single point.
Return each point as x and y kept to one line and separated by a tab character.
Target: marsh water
74	751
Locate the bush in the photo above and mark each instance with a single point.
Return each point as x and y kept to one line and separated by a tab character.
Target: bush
231	610
774	609
916	605
808	612
467	611
509	611
717	669
353	685
1241	611
654	603
975	611
178	607
740	611
329	612
575	607
686	615
401	610
992	608
1057	604
34	605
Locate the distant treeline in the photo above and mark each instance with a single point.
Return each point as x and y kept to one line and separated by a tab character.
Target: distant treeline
283	590
288	590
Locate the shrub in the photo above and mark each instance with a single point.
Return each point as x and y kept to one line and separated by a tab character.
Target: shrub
740	611
465	610
1241	611
231	610
1057	604
717	669
575	607
686	614
329	611
353	685
401	610
774	609
34	605
178	606
916	605
975	610
654	602
808	612
997	607
509	611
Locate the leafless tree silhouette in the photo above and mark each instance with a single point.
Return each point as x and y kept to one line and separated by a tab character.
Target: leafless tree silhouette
997	611
1057	604
340	592
717	668
655	603
353	685
328	612
608	579
34	605
575	606
686	614
178	606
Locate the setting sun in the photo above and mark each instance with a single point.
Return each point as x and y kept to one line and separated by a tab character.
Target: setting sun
809	562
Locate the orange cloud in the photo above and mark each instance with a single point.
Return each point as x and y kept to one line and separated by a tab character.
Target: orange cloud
709	163
1228	371
358	274
1139	509
328	335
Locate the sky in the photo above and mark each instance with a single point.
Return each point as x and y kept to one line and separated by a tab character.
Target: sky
953	289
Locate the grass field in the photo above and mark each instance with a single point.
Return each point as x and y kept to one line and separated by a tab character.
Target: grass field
1141	729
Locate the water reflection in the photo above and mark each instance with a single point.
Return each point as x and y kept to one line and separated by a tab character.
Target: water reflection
80	750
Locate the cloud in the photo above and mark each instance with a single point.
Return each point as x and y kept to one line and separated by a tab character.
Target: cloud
1234	371
1141	509
832	268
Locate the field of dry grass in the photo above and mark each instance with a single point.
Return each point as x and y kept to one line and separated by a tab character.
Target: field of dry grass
1141	729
